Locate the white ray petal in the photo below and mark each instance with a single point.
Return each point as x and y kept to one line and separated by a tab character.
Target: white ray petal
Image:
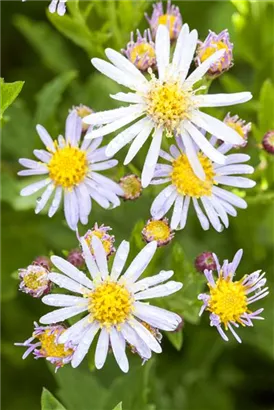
45	138
201	216
192	155
125	65
139	141
152	157
55	202
60	300
71	271
216	127
120	260
100	256
146	336
84	344
89	259
187	53
140	262
221	100
128	97
102	349
162	49
59	315
159	291
66	283
41	203
152	280
36	186
118	348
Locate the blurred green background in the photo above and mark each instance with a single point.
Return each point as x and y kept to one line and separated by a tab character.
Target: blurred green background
197	370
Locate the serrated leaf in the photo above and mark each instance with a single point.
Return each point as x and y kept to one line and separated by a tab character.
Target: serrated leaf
50	96
47	43
266	117
9	92
49	402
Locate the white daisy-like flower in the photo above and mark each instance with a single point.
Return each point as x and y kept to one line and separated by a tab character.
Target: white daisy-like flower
71	169
185	187
113	303
167	104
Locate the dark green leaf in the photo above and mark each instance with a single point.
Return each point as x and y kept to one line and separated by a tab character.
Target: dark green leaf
49	402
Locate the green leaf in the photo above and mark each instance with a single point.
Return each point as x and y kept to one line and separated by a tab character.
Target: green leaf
49	402
242	6
50	96
176	339
266	117
9	92
47	43
118	407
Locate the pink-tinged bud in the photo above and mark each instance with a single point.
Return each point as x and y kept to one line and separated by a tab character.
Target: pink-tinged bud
34	281
101	233
268	142
132	187
43	261
213	43
240	126
205	261
158	230
142	51
75	258
171	18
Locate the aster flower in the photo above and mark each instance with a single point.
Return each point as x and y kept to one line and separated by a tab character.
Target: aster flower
167	104
44	342
228	302
172	19
205	261
112	304
184	187
34	280
159	231
71	170
239	126
268	142
132	187
101	232
141	52
213	43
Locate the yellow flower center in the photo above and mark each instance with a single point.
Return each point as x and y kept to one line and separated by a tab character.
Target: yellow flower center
169	20
228	300
158	230
68	166
140	53
168	104
237	127
186	182
110	304
216	46
34	280
49	346
107	244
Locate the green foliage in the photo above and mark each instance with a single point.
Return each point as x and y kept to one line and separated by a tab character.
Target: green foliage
118	407
49	402
9	92
266	111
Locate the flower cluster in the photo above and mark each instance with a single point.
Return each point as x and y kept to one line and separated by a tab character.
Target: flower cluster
165	106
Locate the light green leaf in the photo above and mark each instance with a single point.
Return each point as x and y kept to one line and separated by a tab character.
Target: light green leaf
47	43
9	92
242	6
50	96
118	407
266	117
176	339
49	402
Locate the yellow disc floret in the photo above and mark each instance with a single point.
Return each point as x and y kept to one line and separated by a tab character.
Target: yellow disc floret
110	304
186	182
49	345
35	280
209	51
68	166
228	300
168	104
168	20
140	53
237	127
158	230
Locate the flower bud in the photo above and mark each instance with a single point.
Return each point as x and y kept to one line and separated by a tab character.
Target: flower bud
101	233
141	52
34	280
158	230
75	258
239	126
83	111
43	261
205	261
268	142
132	187
172	19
